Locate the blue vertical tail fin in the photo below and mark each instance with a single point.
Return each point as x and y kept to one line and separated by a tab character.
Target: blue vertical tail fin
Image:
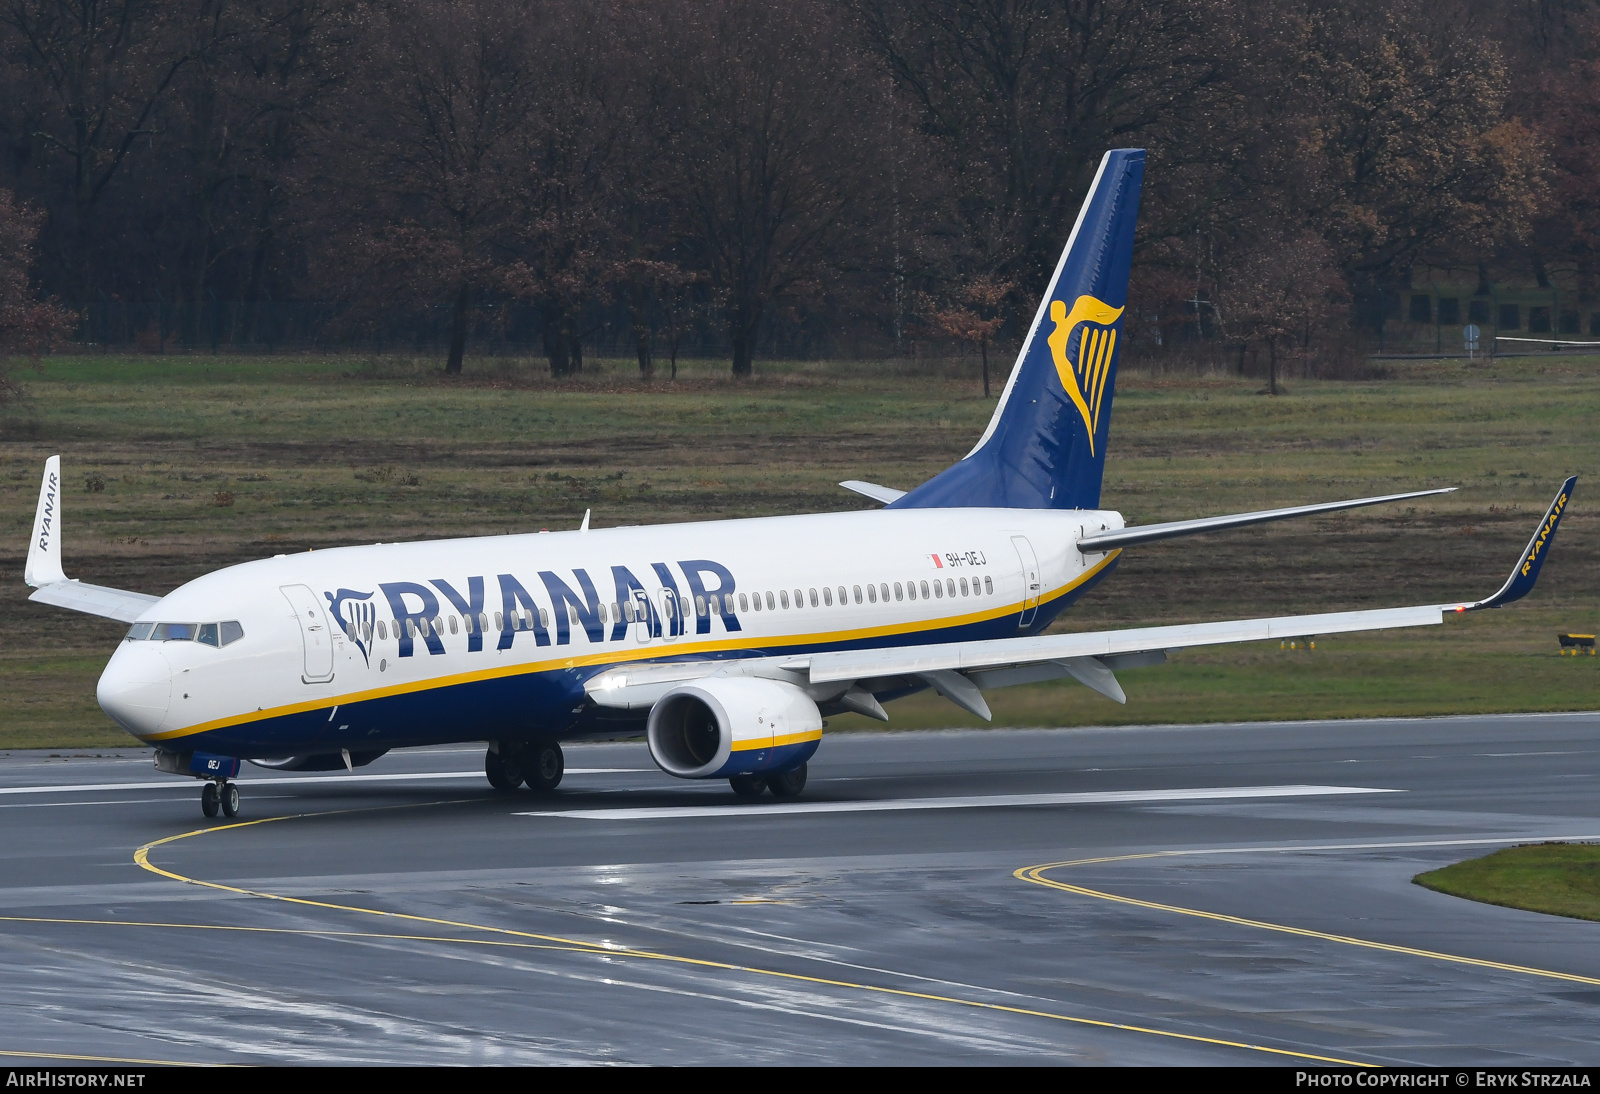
1045	447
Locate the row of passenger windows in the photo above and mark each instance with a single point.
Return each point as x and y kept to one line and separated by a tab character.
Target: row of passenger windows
629	611
910	590
210	634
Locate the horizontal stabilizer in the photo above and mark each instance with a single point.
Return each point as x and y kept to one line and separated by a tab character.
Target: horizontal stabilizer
94	600
885	494
1149	533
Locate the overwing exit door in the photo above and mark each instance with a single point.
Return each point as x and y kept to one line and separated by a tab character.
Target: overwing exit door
314	633
1030	580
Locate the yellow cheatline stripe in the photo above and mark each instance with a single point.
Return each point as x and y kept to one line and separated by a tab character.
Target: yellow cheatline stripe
1036	874
17	1055
680	649
777	742
142	857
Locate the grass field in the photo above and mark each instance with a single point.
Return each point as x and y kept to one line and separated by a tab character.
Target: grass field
178	465
1557	878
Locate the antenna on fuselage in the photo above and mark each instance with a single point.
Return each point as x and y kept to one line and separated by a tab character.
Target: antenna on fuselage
584	527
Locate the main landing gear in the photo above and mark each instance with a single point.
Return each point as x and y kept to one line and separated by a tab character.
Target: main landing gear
783	784
219	794
540	764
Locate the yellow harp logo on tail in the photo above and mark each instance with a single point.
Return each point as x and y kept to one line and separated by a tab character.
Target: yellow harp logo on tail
1085	379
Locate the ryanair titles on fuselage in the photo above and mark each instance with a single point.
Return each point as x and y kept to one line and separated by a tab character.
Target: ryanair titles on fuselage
414	606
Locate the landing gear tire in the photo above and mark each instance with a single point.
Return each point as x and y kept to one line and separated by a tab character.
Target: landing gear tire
545	764
208	799
230	800
748	787
503	770
788	784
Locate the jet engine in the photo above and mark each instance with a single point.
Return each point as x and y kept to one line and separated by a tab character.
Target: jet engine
732	725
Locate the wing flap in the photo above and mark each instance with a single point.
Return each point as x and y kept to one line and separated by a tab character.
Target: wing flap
94	600
999	653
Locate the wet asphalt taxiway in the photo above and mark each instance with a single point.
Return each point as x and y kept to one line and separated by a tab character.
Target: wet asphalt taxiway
1217	894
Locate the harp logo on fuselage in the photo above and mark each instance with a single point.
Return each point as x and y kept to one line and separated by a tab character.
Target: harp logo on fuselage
1086	368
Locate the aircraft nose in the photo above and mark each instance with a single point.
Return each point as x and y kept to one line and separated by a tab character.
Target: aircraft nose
136	687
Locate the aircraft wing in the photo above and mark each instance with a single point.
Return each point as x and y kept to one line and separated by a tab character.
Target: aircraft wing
960	671
1149	533
44	573
94	599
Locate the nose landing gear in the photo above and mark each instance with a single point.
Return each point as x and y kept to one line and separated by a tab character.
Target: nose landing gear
219	794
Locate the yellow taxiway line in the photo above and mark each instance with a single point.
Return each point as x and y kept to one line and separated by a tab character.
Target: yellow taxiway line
142	857
1036	874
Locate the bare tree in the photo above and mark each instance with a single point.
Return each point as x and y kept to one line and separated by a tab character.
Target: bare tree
104	66
972	314
28	326
1278	294
772	166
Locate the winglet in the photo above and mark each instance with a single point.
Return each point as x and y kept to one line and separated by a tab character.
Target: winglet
1526	572
44	550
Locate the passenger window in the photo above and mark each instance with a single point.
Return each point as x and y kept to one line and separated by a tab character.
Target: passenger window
771	604
383	632
911	590
857	589
898	594
783	597
544	619
716	605
483	620
988	585
452	624
937	591
844	598
924	590
827	596
883	591
208	635
499	622
872	593
744	602
964	587
140	632
799	600
813	598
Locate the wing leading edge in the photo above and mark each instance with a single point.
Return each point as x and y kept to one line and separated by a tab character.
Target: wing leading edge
1150	533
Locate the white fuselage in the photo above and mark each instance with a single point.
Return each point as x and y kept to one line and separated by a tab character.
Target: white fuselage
466	639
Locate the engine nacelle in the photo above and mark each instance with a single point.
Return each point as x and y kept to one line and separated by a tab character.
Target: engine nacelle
732	725
328	761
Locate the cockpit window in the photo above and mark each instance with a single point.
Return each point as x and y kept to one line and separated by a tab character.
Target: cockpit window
210	634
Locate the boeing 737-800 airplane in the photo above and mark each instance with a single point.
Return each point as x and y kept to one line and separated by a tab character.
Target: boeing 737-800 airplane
725	643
